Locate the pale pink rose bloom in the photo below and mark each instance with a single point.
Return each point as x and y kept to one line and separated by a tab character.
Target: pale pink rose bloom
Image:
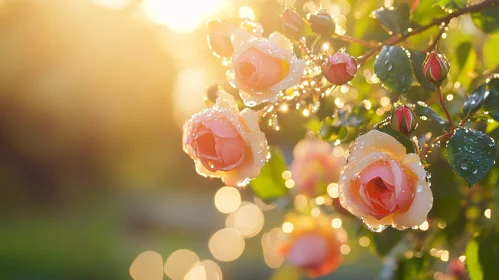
226	143
383	185
261	68
314	166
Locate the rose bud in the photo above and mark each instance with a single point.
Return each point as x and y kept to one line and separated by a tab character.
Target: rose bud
322	23
383	185
226	143
436	68
219	33
291	23
339	68
404	120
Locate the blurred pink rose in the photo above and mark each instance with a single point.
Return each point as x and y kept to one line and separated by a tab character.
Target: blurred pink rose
262	67
315	166
383	185
225	143
219	33
313	245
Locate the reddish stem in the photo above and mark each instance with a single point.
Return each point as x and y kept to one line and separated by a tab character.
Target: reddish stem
442	104
309	54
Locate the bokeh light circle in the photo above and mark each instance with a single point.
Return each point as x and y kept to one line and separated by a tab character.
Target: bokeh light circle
227	199
226	244
247	220
179	263
147	266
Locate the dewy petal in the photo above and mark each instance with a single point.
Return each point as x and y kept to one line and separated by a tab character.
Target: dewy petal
419	209
281	41
375	141
220	127
295	69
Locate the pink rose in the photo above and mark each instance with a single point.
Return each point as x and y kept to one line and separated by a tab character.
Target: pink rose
383	185
314	167
225	143
313	245
261	67
339	68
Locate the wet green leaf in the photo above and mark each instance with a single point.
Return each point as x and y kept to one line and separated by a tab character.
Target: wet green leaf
471	154
491	104
474	102
394	19
487	20
393	68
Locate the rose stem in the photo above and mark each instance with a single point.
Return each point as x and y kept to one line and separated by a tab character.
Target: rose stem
445	109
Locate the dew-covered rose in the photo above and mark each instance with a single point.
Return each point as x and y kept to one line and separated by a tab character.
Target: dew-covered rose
383	185
262	67
314	167
313	245
226	143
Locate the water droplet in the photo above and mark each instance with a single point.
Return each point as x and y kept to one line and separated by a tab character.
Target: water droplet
475	171
419	189
464	166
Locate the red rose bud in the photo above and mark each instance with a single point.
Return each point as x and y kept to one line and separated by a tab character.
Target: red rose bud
339	68
436	68
219	36
322	23
404	120
292	23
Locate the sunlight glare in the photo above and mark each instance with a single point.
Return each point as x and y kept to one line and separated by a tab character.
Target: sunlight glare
181	16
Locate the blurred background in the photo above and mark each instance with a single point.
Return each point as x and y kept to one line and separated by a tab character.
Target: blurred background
93	94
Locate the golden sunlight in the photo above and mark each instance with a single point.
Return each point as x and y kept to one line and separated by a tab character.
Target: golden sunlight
181	16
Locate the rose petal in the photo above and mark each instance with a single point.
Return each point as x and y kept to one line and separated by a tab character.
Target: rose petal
419	209
375	141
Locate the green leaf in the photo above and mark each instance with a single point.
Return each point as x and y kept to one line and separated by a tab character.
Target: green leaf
472	262
471	154
487	20
404	140
482	254
426	111
408	269
417	93
417	60
474	102
491	104
490	53
465	64
269	184
393	68
385	241
426	11
394	19
452	4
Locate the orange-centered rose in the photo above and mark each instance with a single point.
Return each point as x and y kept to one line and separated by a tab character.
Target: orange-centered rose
315	166
383	185
313	245
225	143
262	67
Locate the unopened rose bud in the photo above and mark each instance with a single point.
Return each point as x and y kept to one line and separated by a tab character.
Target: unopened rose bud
339	68
436	68
219	33
404	120
292	23
322	23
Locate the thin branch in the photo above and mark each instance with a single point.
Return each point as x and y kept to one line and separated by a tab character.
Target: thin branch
442	104
437	38
349	39
397	39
